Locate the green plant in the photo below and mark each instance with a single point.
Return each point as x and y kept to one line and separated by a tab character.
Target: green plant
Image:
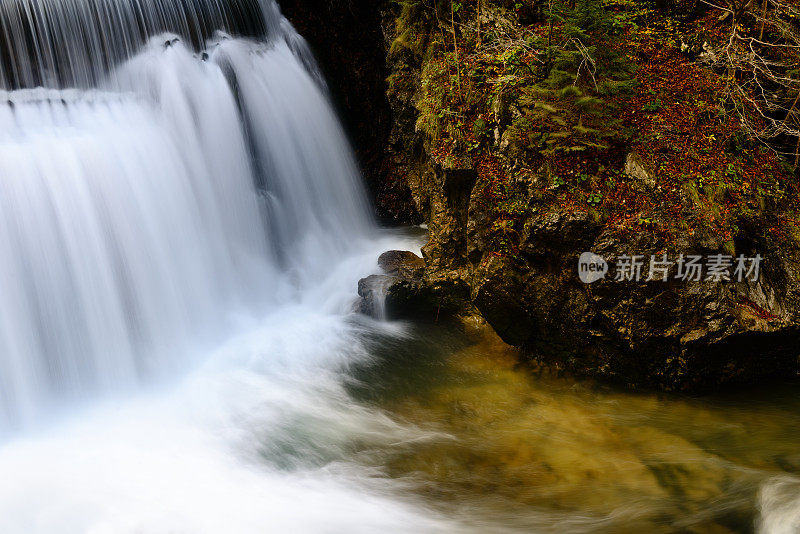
566	108
653	105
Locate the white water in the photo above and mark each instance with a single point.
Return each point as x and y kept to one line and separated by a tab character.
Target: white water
180	241
779	504
255	440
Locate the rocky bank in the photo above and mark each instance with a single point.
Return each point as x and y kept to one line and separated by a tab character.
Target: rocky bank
510	210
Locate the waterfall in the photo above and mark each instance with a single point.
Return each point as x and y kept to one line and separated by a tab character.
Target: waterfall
164	166
181	234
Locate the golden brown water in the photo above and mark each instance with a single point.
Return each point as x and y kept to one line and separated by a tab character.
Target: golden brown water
511	448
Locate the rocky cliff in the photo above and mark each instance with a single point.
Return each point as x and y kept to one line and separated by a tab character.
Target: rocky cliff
522	156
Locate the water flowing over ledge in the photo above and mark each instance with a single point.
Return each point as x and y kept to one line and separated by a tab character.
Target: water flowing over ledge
181	231
139	213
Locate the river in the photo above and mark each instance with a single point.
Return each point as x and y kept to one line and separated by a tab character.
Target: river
182	231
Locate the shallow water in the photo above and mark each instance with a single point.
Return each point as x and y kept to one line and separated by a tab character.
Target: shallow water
510	447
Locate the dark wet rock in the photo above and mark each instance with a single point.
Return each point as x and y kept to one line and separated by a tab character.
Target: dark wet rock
424	300
372	291
681	335
404	292
494	297
674	335
401	262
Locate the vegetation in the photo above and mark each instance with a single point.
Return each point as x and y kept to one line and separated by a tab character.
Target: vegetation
546	98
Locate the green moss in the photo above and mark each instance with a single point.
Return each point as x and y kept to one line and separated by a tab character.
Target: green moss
692	193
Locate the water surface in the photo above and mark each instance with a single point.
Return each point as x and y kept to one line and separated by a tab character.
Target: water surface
510	446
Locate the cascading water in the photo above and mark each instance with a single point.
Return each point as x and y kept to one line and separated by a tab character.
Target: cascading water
181	234
130	213
167	188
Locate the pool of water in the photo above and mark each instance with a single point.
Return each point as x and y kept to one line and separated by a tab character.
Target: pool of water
504	446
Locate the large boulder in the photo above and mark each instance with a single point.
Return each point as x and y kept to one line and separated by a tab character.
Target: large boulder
403	292
674	334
